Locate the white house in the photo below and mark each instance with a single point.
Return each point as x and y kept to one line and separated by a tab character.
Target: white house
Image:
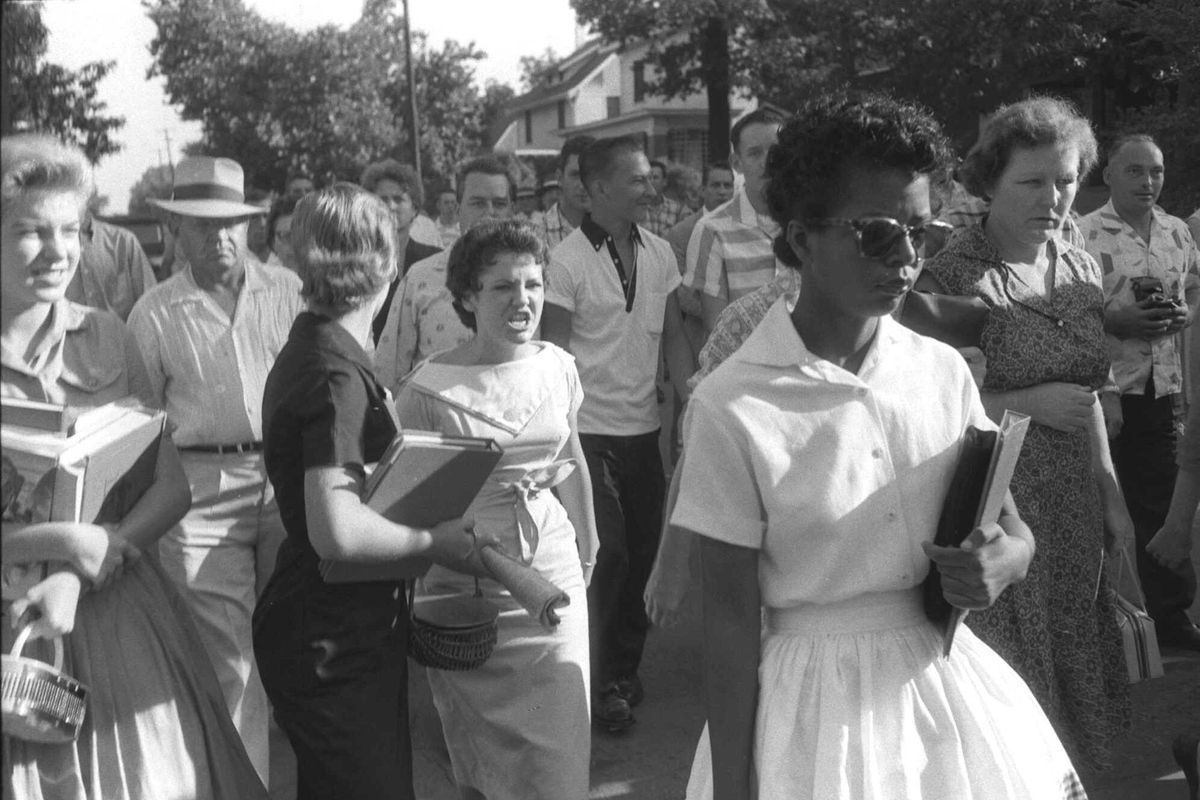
599	90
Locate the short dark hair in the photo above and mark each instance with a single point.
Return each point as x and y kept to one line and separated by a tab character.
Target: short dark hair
282	207
573	147
598	158
835	134
487	165
392	170
661	165
478	248
1031	123
1128	138
345	243
759	116
710	166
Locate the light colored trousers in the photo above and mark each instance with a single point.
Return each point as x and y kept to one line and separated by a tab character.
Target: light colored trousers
219	556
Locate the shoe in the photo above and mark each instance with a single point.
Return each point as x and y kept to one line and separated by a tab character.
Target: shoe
1185	636
610	711
1184	750
631	690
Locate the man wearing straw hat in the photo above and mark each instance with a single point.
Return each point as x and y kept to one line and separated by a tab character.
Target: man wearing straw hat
209	336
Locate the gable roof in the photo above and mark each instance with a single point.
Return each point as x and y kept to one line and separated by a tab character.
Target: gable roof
570	73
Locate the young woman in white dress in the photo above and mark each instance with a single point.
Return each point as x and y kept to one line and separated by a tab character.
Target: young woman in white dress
819	455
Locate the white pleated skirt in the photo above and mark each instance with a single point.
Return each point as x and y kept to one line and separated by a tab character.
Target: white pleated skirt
856	702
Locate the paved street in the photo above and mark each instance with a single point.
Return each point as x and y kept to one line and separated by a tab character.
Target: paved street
652	760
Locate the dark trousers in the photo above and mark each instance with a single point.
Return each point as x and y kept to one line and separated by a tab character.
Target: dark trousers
1144	455
628	489
335	669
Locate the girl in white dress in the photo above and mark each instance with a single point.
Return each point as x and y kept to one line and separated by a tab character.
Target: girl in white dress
517	728
818	459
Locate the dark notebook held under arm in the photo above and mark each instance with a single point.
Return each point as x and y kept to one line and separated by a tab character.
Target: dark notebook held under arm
422	479
975	497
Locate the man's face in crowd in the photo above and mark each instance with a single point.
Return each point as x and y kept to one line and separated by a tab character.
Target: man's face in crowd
719	188
298	187
626	192
574	196
484	197
750	156
398	200
447	206
1135	176
658	178
214	247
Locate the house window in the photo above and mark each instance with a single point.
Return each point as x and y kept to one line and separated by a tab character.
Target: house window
528	127
614	105
562	113
639	80
688	146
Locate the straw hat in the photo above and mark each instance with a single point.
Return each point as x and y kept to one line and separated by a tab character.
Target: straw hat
209	187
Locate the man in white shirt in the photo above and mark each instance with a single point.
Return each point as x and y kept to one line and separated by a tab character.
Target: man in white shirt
209	336
610	302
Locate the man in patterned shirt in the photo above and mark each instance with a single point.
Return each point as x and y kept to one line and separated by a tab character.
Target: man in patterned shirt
1151	273
730	253
422	320
565	215
665	212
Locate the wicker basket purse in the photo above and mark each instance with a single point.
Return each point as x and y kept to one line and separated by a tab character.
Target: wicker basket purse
455	633
40	702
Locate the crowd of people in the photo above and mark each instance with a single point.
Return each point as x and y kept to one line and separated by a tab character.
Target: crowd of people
768	306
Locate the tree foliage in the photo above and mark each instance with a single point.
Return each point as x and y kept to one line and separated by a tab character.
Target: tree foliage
156	183
42	96
538	71
327	101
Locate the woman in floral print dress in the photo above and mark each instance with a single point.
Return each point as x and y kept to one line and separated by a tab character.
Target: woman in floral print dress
1046	357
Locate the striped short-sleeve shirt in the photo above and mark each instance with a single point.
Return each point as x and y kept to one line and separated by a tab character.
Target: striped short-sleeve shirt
730	253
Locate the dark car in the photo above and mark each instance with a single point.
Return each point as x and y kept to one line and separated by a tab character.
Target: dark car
150	233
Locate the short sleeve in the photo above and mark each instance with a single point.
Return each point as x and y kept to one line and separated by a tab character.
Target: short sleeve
331	420
561	284
574	386
413	407
718	494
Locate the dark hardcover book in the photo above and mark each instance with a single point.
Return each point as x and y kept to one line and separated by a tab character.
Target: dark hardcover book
975	497
422	479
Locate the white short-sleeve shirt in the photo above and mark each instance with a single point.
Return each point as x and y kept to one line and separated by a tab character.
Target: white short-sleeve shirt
836	478
616	350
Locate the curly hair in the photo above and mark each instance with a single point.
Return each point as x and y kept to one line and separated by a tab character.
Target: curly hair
478	249
34	162
833	134
344	238
1036	122
392	170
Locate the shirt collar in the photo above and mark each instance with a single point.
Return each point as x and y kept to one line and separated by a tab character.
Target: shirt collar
775	343
1112	222
253	280
598	236
65	317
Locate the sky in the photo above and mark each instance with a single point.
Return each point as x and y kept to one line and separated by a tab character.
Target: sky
96	30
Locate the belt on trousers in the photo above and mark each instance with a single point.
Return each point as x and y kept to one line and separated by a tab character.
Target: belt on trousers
225	449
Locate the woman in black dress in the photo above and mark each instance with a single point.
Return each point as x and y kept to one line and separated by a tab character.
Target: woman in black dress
332	656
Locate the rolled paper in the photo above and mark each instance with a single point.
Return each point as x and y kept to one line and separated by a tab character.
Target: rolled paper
538	596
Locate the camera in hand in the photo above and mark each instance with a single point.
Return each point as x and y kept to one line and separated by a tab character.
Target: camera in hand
1147	287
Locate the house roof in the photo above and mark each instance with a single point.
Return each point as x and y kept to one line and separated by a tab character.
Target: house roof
574	70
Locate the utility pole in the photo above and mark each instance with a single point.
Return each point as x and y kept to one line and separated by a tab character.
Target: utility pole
170	157
412	94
